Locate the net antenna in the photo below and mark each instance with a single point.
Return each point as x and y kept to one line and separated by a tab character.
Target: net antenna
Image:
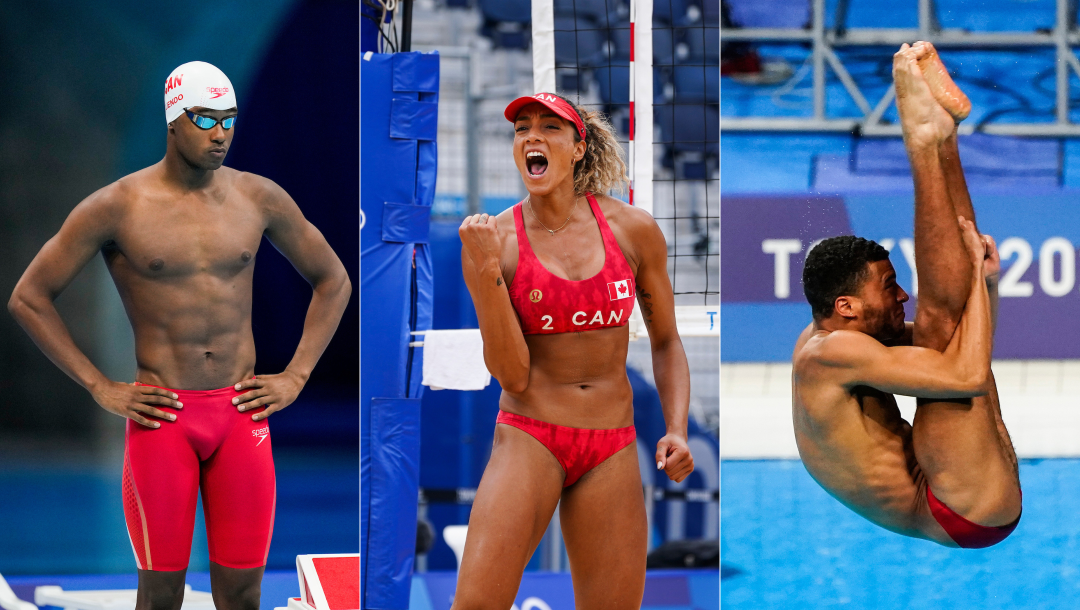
641	105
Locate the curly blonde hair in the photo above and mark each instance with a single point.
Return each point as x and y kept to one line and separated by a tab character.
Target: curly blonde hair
602	169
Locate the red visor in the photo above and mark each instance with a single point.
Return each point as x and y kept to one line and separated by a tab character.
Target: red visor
555	103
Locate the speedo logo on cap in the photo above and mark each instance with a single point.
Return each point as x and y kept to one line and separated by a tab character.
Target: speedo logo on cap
173	82
217	91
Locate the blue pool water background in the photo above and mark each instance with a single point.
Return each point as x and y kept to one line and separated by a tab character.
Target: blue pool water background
785	543
64	517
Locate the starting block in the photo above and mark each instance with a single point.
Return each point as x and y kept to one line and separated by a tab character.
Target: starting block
327	582
8	599
115	599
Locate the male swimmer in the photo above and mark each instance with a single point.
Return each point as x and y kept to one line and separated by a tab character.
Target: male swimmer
179	239
951	475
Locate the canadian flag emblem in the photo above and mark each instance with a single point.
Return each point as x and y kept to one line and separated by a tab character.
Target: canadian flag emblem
619	290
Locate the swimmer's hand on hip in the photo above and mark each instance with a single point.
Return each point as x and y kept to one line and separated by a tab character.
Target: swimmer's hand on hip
134	401
275	392
673	457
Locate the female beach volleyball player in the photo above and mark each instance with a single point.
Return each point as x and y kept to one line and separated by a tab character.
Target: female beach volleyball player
553	280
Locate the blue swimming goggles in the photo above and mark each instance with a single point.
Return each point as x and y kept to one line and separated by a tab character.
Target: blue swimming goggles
205	122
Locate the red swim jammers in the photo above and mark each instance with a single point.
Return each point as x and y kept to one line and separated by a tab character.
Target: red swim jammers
578	450
211	445
963	532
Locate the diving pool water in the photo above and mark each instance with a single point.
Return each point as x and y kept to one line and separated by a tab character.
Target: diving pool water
785	543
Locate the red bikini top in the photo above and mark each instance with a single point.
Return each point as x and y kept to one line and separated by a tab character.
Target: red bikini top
548	304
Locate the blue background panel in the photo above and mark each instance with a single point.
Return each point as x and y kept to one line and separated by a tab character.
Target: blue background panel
1039	289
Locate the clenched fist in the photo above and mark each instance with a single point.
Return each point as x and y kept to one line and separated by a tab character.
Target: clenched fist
480	237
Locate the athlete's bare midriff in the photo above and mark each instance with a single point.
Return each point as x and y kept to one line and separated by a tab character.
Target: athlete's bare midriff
856	445
575	379
183	266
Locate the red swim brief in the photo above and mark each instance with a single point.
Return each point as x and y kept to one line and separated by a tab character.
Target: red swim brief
578	450
963	532
214	446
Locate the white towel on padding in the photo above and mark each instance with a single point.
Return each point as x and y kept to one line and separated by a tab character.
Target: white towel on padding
454	360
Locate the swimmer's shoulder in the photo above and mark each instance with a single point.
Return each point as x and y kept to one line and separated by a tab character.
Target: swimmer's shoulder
800	343
110	204
147	184
805	345
821	372
259	189
822	350
277	207
99	219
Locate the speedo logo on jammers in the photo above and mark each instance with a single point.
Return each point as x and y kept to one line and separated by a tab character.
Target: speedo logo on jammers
262	433
216	92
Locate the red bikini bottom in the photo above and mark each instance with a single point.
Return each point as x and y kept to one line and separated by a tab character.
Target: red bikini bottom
578	450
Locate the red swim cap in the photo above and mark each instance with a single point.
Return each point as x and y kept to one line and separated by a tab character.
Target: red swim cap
554	102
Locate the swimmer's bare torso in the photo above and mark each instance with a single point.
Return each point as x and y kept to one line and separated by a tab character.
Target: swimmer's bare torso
579	379
180	239
183	264
853	441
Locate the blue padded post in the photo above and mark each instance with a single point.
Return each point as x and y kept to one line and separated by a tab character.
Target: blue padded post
399	111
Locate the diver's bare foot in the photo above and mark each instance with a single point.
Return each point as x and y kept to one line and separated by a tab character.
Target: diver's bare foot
945	91
924	121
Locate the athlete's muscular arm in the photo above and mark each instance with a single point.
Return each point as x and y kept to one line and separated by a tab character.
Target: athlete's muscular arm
89	227
670	369
306	248
961	371
505	352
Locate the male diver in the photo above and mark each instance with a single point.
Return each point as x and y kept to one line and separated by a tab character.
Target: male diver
951	475
179	239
